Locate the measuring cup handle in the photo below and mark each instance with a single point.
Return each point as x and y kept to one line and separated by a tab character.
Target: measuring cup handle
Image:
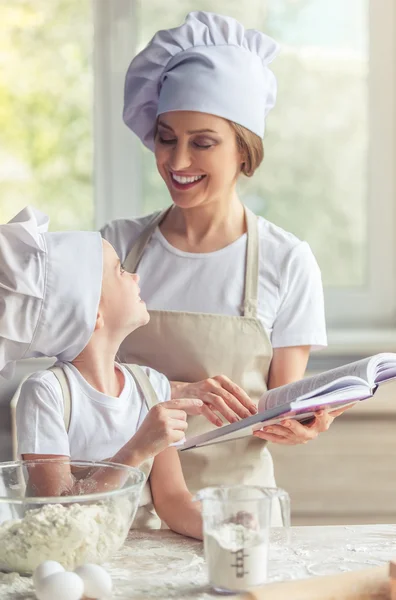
284	502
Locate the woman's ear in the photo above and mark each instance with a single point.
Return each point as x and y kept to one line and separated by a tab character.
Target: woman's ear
242	157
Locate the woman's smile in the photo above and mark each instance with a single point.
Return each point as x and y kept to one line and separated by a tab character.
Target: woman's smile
185	181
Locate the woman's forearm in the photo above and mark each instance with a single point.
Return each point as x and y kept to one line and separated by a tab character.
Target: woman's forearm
288	365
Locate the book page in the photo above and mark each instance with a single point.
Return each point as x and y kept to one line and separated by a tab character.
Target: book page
384	367
303	387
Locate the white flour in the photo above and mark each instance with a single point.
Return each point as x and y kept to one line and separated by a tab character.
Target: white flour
13	585
236	556
70	535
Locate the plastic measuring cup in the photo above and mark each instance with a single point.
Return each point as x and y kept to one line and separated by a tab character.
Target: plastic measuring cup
236	522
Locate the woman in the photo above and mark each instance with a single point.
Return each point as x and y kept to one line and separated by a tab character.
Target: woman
236	303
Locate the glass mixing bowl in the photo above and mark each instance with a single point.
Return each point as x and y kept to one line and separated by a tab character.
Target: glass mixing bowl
72	530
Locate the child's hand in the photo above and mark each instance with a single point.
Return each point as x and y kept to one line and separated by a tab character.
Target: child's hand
164	425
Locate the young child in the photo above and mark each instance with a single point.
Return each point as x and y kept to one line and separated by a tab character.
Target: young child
66	295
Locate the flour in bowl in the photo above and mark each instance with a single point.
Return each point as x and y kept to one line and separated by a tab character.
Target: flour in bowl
237	557
69	534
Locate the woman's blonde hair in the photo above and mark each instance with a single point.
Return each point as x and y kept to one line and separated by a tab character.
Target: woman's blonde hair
251	148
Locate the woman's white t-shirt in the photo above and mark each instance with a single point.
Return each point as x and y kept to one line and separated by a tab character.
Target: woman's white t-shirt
100	425
290	290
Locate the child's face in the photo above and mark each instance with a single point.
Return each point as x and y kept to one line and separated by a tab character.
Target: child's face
120	305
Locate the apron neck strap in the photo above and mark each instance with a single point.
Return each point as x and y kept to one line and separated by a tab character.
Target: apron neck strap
251	269
133	259
252	265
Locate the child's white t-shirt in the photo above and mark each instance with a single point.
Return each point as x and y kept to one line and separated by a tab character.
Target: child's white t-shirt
100	425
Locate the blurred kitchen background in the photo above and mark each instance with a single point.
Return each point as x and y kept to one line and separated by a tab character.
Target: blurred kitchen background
329	176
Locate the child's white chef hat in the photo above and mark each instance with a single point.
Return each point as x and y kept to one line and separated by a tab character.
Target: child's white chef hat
209	64
50	287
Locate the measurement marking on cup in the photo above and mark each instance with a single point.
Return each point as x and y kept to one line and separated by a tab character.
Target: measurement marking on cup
240	555
239	564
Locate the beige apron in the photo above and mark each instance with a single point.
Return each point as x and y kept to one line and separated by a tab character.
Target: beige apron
189	347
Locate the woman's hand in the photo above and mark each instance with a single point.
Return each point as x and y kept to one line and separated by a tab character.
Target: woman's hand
219	395
291	432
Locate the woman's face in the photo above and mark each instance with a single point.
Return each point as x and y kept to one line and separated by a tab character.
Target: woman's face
197	157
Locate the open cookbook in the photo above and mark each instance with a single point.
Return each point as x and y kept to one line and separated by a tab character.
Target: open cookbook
299	400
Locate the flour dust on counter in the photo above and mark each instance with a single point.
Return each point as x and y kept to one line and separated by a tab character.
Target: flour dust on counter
15	587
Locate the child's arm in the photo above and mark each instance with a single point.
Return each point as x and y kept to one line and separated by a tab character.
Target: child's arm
165	424
172	500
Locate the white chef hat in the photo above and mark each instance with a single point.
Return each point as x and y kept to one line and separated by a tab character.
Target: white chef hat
50	286
209	64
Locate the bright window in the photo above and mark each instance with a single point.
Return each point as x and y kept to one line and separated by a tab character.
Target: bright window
46	125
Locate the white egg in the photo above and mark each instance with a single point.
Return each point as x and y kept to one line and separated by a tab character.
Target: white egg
97	581
45	569
61	586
